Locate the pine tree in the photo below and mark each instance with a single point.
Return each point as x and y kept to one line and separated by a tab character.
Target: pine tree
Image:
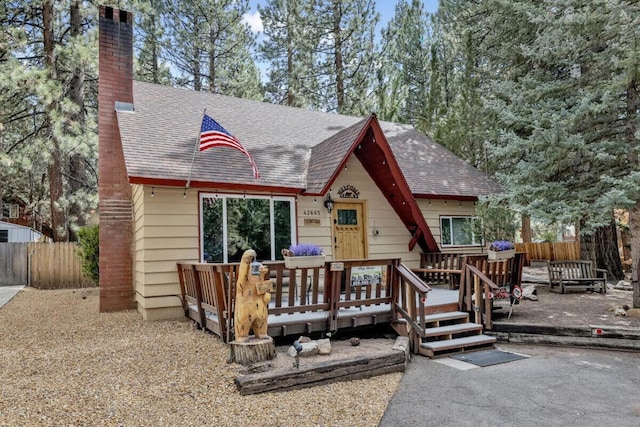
289	49
48	136
344	32
560	142
212	48
406	67
151	42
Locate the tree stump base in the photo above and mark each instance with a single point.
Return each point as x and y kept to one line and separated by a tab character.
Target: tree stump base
253	350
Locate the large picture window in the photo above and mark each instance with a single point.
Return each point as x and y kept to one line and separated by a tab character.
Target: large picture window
459	231
232	224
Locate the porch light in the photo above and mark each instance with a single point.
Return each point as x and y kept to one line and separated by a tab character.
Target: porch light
328	203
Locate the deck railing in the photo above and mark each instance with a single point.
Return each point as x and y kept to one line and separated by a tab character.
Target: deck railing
475	291
441	267
481	281
411	304
309	300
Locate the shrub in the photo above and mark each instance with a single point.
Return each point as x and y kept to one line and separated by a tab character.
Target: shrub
89	241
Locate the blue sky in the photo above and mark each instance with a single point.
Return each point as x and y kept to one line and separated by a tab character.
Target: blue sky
385	7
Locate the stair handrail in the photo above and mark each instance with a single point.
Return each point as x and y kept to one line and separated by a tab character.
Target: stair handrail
484	287
411	303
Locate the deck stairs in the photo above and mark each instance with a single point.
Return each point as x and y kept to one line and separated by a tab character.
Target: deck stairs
451	332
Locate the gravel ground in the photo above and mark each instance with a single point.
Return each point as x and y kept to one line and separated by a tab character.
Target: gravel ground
63	363
574	308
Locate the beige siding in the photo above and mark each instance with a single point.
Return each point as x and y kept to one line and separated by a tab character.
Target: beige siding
166	231
393	238
432	210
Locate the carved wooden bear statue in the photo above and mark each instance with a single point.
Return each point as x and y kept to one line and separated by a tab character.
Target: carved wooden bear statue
253	294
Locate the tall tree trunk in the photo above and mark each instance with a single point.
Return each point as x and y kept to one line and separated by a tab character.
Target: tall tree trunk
212	60
55	165
77	166
337	14
634	212
601	247
634	229
154	50
526	228
290	90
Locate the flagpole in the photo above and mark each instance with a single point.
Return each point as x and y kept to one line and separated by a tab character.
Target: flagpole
195	150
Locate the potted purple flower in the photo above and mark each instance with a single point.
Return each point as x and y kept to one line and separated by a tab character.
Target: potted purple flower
303	255
501	249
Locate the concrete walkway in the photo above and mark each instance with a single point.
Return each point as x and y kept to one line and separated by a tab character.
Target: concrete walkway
8	292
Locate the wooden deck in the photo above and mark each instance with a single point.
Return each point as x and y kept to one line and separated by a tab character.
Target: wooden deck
316	300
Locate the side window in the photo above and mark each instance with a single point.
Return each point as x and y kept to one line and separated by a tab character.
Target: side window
458	231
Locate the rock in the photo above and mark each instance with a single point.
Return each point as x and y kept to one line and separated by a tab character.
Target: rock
355	341
529	292
308	349
401	344
619	312
303	339
623	285
324	346
633	312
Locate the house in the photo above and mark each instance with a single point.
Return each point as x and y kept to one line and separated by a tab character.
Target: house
357	186
15	233
19	223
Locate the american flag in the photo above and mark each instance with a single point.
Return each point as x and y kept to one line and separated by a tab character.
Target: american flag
212	134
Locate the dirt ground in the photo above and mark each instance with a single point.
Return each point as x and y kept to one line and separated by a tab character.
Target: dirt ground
577	308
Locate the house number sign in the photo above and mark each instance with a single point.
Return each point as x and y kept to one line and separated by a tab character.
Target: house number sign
348	192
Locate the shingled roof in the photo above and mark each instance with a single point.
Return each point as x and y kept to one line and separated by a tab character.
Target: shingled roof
295	149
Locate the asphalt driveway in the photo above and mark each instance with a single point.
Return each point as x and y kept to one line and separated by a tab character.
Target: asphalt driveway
554	387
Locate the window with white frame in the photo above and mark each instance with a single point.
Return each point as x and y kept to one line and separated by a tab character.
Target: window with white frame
231	224
9	210
459	231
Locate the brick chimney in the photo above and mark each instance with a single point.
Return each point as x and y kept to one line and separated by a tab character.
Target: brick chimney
115	87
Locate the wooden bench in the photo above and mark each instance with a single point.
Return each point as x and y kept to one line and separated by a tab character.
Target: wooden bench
565	275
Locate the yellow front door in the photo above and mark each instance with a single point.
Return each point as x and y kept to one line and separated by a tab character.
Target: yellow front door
348	231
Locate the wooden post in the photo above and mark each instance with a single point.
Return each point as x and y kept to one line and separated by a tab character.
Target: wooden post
477	304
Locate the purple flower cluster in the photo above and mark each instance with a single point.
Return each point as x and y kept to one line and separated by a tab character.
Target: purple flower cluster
305	249
501	245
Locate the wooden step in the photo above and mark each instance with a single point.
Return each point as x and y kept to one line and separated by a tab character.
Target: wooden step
433	321
451	315
434	348
457	328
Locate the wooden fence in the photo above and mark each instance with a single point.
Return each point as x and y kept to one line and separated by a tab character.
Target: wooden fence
13	264
550	251
42	265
